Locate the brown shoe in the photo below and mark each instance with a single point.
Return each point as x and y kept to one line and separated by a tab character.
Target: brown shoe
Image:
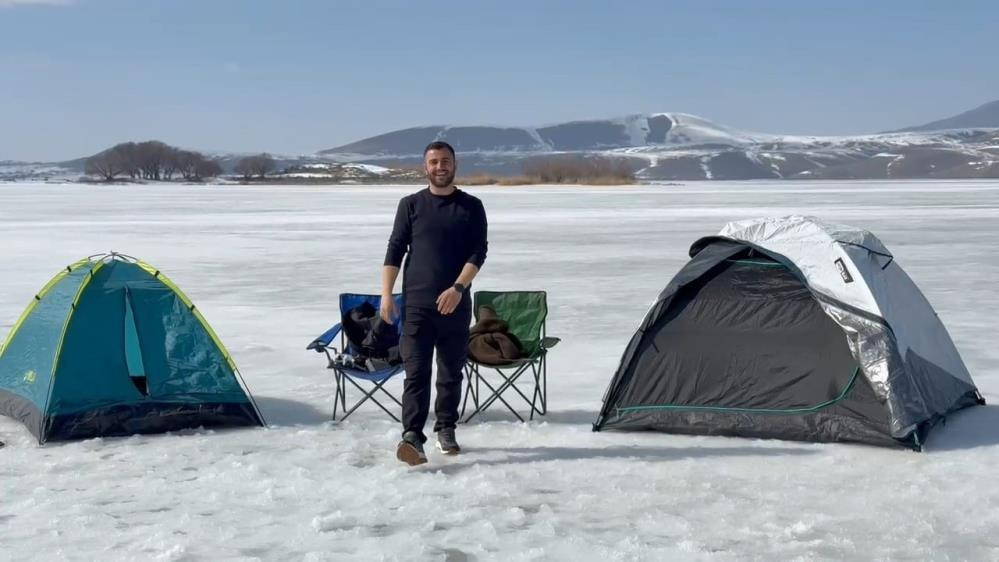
410	450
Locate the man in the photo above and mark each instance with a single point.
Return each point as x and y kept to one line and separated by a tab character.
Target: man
443	230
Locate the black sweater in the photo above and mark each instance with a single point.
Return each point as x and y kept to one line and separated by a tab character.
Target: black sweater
441	234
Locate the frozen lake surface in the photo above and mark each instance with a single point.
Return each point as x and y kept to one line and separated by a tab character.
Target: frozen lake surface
264	265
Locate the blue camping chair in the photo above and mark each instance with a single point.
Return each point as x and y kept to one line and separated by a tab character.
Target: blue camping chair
342	374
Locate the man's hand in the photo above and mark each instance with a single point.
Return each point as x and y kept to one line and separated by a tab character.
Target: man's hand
448	301
387	310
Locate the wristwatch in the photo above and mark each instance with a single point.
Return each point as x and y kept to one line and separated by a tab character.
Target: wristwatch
459	287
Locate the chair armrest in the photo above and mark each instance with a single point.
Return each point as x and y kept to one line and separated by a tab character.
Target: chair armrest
549	342
322	342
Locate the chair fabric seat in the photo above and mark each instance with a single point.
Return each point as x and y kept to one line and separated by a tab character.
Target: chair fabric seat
510	365
373	376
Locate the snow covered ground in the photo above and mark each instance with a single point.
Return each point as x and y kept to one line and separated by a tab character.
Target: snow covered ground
264	264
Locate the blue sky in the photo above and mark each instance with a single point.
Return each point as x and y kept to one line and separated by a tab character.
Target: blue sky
298	76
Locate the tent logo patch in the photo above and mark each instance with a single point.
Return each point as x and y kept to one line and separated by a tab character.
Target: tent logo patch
29	377
843	271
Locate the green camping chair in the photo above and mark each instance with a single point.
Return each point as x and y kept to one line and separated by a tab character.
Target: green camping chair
525	312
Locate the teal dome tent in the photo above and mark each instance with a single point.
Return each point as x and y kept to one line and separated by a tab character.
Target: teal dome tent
111	347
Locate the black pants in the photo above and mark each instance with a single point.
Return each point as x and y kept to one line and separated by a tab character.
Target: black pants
423	330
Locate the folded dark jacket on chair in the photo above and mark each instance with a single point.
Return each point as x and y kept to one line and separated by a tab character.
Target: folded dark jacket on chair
374	341
490	341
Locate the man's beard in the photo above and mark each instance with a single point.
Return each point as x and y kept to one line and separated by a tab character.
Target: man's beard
441	182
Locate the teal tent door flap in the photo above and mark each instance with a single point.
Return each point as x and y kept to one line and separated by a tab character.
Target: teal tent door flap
133	349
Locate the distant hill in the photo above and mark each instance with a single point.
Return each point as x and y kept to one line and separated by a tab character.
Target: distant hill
679	146
983	116
660	129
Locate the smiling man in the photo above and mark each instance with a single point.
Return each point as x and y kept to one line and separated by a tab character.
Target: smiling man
442	232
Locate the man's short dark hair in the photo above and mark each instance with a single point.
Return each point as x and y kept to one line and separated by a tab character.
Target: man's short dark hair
439	145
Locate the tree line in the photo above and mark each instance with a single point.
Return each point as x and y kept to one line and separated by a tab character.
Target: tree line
158	161
255	166
151	160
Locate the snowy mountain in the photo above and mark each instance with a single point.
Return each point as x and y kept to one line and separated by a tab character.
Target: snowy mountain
660	129
679	146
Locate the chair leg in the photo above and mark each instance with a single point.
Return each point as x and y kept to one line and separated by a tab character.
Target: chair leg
337	393
343	392
390	395
470	389
511	381
538	401
496	395
369	395
540	397
544	384
340	396
474	378
478	389
497	392
537	391
474	388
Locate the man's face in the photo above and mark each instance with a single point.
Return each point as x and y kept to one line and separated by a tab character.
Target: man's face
439	166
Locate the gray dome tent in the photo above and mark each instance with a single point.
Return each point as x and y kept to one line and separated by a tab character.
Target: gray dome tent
790	328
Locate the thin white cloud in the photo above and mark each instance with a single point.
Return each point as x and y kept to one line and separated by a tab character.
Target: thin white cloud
8	3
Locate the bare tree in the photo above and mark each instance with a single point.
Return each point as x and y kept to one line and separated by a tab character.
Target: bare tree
207	169
194	166
130	153
259	165
244	168
187	163
107	164
171	162
263	164
151	156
